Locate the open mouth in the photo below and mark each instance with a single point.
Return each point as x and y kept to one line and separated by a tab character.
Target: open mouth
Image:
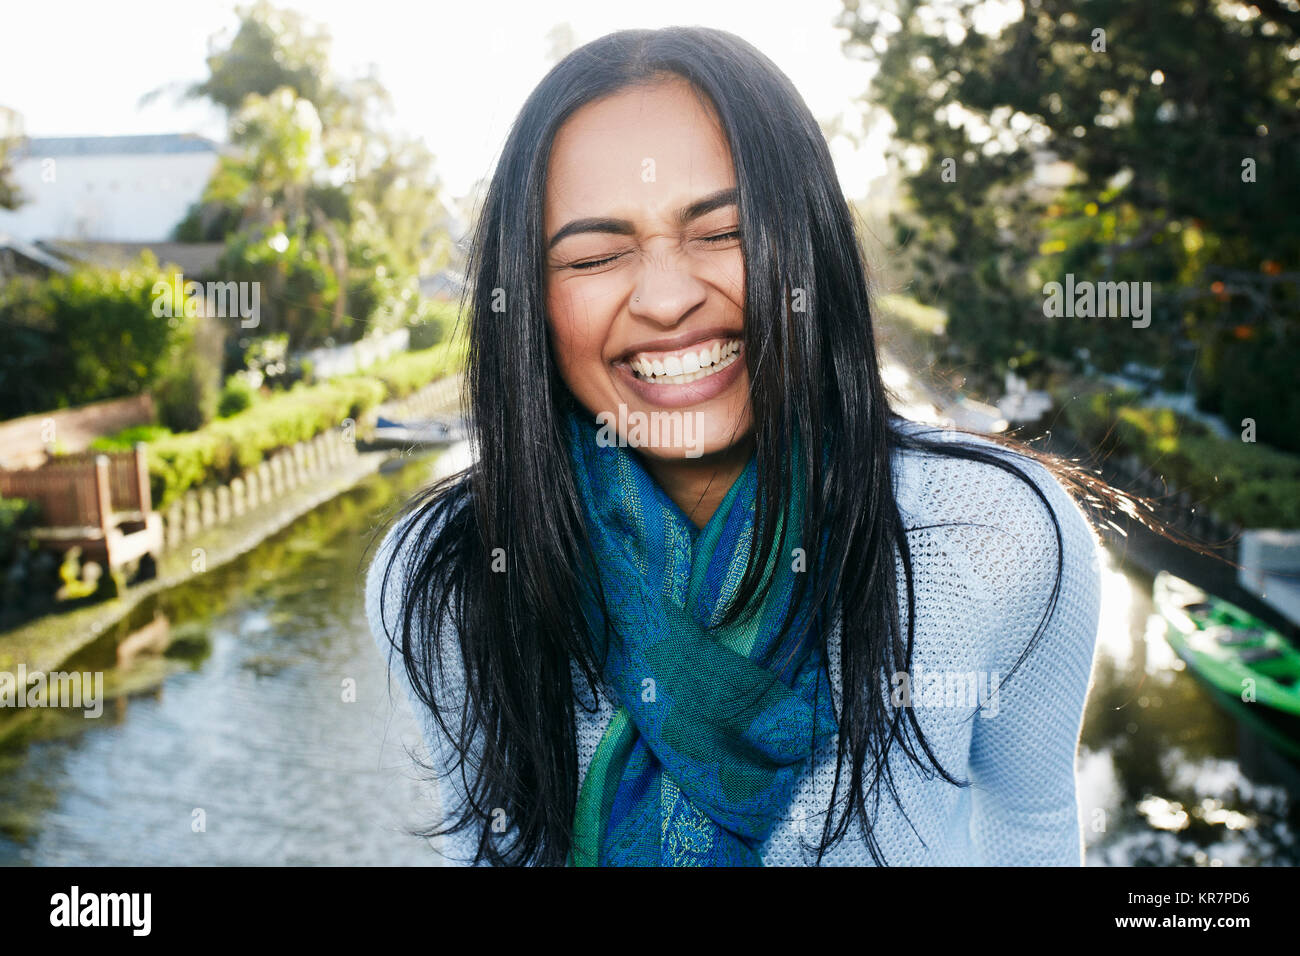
685	365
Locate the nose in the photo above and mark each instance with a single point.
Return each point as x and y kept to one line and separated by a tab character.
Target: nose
667	292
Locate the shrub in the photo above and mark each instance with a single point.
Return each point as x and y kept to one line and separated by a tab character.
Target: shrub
89	335
228	446
237	395
128	438
16	514
405	373
1247	482
435	324
26	573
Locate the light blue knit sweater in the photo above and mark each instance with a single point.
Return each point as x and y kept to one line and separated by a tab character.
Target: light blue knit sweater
982	587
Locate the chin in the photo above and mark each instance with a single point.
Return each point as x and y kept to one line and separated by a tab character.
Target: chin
701	452
671	434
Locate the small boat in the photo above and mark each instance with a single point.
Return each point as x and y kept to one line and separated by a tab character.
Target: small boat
418	432
1252	670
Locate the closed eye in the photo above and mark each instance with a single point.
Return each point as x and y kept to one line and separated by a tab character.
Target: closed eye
595	263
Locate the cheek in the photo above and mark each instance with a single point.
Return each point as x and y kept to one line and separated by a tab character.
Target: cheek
735	273
577	332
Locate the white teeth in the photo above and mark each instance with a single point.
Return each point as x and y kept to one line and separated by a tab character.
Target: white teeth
677	370
687	367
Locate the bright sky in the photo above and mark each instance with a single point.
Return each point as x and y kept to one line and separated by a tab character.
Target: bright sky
457	71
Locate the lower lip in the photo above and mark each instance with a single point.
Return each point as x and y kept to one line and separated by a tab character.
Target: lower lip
683	396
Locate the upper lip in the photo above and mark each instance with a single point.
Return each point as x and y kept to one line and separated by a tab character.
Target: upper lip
680	341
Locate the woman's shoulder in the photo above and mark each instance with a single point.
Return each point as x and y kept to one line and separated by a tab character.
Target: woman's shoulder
404	547
938	484
993	532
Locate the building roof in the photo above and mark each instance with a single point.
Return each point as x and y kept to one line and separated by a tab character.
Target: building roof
61	146
38	257
192	258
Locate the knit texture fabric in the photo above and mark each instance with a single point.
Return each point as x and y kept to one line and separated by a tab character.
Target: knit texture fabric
984	555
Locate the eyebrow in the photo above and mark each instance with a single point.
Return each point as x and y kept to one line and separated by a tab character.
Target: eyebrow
623	227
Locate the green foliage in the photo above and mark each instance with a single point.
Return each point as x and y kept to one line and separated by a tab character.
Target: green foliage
128	438
183	400
27	578
10	196
319	202
187	391
1240	481
1174	124
410	371
16	515
426	335
433	323
299	291
236	395
271	49
89	335
228	446
264	359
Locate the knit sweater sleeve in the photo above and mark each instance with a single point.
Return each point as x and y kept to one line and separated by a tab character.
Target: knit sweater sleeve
1022	757
384	589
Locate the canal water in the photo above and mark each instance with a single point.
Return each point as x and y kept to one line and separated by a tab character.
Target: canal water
1167	778
241	744
264	734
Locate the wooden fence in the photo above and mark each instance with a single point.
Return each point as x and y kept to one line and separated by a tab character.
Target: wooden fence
99	503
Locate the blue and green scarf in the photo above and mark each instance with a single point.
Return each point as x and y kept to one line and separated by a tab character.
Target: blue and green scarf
714	725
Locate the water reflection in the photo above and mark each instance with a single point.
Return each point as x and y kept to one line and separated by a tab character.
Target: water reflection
1166	778
258	728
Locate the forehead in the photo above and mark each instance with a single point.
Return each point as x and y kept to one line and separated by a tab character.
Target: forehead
642	151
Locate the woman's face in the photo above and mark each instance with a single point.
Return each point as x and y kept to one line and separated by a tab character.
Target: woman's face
645	276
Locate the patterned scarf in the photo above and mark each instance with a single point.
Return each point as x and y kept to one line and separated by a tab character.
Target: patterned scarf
715	726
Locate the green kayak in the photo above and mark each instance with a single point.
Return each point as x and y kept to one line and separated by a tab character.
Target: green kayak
1252	669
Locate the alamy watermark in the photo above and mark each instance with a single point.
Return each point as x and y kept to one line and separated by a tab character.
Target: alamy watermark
83	689
656	429
1102	300
219	300
132	911
942	688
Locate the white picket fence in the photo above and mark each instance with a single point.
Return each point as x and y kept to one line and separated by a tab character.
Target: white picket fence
291	468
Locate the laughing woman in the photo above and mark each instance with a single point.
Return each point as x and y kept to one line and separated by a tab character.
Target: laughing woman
703	598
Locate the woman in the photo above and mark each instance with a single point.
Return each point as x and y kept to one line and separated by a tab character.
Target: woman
703	596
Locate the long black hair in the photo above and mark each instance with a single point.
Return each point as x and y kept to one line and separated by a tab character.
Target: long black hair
813	370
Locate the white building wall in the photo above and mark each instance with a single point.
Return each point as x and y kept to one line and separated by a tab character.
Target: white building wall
114	198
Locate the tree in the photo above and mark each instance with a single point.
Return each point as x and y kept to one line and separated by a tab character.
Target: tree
92	334
1178	122
333	213
10	138
271	49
